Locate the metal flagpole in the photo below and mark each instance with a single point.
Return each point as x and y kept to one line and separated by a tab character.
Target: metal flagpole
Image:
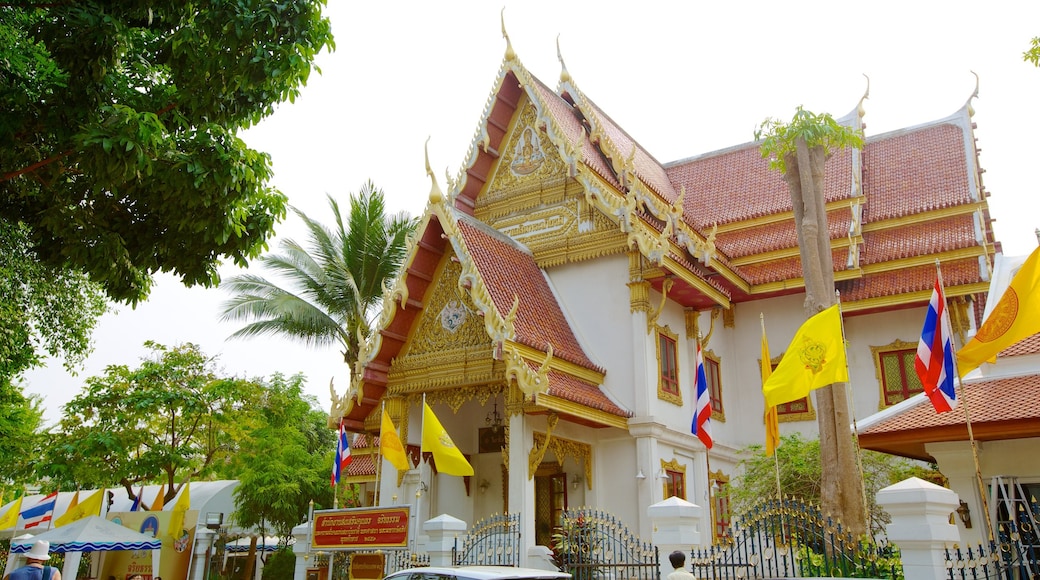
379	452
418	489
967	415
335	496
776	456
851	408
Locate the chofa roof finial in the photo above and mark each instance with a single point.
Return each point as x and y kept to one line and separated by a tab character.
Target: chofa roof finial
435	190
974	95
510	53
565	76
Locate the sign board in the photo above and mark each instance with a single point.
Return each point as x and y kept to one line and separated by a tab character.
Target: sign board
367	566
361	528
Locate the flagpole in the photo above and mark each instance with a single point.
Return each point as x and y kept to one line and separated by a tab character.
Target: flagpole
776	457
378	452
851	407
967	418
418	489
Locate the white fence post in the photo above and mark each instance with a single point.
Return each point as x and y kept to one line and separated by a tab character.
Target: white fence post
442	531
301	549
920	527
675	523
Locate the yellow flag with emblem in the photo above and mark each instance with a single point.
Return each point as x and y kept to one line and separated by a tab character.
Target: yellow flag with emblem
1016	317
81	509
181	506
390	444
446	456
814	359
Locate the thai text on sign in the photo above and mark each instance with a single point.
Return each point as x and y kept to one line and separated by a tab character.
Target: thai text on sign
360	528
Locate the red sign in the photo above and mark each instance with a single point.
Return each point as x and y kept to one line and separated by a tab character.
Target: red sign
360	528
367	566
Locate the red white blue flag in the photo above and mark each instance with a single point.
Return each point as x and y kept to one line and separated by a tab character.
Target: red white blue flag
342	459
701	426
934	362
41	512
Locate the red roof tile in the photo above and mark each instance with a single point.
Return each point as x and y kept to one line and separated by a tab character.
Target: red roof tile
787	268
361	465
572	389
737	184
909	280
777	235
994	401
509	271
1030	345
916	170
931	237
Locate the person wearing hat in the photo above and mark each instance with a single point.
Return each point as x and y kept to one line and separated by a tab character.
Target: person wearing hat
34	568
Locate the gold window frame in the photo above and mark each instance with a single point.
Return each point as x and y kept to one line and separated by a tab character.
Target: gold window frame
677	468
720	413
662	393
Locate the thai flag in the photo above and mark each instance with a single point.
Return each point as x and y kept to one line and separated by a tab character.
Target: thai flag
934	362
342	459
701	426
41	512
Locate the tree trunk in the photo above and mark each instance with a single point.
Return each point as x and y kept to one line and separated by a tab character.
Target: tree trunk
250	559
841	489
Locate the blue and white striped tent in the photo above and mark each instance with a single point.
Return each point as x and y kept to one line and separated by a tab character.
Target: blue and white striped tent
90	534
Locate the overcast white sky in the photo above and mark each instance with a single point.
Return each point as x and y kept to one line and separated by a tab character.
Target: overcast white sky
683	78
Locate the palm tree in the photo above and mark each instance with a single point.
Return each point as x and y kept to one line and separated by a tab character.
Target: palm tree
336	283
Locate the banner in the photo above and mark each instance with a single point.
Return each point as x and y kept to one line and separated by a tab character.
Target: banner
175	555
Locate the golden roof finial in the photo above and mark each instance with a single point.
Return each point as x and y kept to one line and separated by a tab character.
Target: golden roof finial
435	190
565	77
974	95
860	110
510	53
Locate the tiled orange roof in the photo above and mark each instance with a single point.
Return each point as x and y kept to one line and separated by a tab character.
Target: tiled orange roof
915	170
1030	345
777	235
998	400
737	184
931	237
908	280
362	465
509	271
572	389
787	268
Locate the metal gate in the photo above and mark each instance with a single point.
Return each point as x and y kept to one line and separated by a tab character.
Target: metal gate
1015	552
493	541
591	544
788	538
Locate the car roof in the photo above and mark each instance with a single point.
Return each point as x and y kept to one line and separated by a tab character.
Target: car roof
485	572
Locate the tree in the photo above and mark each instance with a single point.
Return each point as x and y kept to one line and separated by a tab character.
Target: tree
336	283
20	420
119	122
1033	54
169	420
801	475
43	310
284	462
799	150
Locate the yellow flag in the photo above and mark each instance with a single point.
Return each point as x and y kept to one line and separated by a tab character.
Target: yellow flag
390	446
446	456
81	509
182	505
815	358
1015	318
10	518
771	420
157	505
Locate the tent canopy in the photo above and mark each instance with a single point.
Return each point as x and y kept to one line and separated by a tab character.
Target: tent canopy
90	534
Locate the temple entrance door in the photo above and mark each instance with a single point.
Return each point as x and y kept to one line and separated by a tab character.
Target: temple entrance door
550	500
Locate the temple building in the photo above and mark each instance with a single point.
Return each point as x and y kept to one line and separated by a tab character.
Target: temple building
552	297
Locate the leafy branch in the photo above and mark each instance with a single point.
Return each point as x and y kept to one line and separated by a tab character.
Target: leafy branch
779	138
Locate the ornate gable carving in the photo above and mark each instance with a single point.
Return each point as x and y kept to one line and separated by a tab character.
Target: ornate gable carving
528	161
450	321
